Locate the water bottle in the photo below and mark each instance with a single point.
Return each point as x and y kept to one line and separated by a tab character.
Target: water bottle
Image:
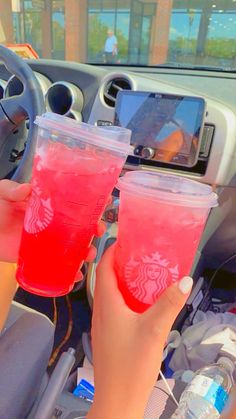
206	395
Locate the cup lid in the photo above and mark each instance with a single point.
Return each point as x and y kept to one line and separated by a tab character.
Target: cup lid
110	137
177	190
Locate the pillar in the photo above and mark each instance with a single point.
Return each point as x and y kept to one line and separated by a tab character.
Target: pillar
202	33
6	24
47	30
159	44
76	30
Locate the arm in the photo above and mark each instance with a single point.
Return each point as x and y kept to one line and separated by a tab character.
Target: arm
230	412
12	207
7	289
127	346
13	201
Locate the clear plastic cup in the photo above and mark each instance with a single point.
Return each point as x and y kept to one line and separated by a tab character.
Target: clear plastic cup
76	167
161	219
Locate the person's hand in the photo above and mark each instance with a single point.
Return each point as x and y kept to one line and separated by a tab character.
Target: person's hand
230	411
128	347
13	201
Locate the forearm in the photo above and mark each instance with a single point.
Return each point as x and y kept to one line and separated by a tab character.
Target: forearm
116	405
8	286
107	411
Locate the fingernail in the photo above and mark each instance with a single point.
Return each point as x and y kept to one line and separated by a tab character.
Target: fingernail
185	285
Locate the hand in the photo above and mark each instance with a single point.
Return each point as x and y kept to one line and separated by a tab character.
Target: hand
13	201
128	347
230	411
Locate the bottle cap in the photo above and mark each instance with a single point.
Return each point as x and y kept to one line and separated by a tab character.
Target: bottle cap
187	376
227	363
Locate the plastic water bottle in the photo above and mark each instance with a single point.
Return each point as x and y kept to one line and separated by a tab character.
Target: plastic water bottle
206	395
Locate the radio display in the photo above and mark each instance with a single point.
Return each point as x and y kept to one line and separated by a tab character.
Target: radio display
169	126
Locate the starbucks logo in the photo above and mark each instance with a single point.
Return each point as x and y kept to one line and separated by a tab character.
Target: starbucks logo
39	213
147	277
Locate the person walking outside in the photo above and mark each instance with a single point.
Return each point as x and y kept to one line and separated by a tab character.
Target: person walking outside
110	48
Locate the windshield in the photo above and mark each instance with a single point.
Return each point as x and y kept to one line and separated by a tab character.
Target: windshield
174	33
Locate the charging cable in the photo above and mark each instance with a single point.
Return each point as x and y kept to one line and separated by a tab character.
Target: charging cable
170	392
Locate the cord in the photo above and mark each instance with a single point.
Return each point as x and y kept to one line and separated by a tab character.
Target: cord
170	392
67	335
211	281
55	314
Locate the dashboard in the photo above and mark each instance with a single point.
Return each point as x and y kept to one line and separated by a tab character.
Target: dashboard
89	93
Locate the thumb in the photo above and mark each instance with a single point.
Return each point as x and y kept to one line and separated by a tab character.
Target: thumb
163	313
13	191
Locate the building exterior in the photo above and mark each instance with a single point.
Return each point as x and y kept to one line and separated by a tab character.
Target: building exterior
149	32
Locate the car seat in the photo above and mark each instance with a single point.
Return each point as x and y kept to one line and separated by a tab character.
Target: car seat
26	343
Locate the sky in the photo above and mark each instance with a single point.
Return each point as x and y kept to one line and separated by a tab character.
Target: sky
221	25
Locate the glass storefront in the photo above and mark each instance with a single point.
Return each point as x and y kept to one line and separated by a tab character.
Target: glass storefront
205	34
58	29
147	32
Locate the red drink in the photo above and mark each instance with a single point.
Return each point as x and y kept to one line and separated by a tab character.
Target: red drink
161	219
71	186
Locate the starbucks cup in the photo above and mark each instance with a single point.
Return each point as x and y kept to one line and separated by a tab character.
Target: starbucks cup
76	167
161	220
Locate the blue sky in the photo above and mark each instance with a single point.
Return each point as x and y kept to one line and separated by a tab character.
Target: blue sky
221	25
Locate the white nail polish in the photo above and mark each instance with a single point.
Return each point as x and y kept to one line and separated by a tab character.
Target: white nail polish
185	285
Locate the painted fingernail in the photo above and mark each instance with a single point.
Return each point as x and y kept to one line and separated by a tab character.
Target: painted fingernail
185	285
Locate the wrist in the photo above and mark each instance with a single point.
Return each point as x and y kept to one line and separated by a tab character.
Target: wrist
8	287
8	271
115	409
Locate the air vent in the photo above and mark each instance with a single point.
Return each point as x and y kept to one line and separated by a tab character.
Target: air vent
113	87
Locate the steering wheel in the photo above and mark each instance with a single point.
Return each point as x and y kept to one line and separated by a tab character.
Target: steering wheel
16	109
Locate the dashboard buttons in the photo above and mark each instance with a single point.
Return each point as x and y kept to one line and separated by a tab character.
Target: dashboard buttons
148	153
138	150
207	137
145	152
103	123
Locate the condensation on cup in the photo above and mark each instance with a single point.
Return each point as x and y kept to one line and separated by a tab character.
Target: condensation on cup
161	220
76	167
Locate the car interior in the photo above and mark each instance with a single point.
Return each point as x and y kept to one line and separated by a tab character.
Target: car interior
45	340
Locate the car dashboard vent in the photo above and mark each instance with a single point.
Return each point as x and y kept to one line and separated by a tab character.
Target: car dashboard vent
112	89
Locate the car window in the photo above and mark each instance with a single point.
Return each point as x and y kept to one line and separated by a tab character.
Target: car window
173	33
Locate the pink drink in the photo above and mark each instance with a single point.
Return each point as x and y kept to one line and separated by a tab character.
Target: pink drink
161	219
72	180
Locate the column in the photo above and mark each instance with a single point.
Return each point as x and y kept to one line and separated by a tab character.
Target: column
47	30
6	24
202	33
159	44
76	17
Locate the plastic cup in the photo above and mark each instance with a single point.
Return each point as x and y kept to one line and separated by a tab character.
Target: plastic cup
161	219
76	167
